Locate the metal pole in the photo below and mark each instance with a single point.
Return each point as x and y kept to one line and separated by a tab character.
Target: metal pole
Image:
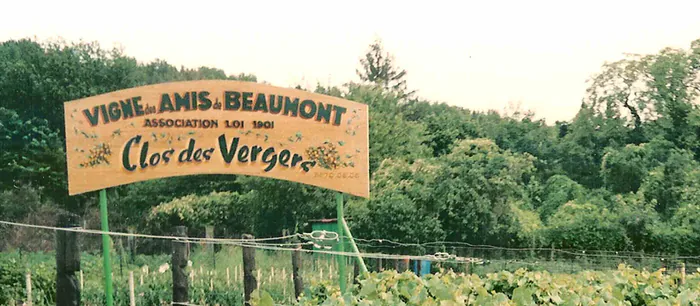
341	243
105	248
363	267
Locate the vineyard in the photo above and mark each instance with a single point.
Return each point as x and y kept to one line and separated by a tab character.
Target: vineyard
218	281
624	286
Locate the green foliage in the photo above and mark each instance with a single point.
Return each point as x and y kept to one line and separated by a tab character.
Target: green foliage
473	194
445	124
220	209
278	205
12	282
25	194
133	200
402	208
390	134
558	190
624	286
31	153
479	183
673	184
627	162
586	226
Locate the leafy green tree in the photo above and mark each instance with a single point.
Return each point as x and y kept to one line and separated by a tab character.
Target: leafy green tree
445	124
520	132
624	169
18	202
581	150
681	234
279	204
229	210
36	79
673	87
619	90
557	191
621	175
673	184
639	219
133	201
31	153
333	91
390	134
23	203
479	186
586	226
401	207
653	94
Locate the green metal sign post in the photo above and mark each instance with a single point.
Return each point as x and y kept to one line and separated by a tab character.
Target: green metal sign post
360	261
341	243
105	249
343	230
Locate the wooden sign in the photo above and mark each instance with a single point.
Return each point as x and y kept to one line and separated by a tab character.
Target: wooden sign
216	127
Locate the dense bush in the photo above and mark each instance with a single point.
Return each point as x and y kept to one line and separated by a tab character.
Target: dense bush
12	282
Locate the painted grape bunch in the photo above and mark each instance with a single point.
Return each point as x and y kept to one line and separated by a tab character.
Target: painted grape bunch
326	155
98	155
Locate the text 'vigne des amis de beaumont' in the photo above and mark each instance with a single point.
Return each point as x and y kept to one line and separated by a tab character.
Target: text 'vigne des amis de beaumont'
232	101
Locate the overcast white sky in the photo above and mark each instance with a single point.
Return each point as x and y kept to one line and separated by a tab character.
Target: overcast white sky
476	54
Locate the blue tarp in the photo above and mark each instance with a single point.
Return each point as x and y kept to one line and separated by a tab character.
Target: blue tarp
424	267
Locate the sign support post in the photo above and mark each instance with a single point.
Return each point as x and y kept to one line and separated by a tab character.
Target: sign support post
105	249
341	243
360	261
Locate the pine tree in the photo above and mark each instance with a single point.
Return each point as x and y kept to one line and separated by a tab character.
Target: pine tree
378	68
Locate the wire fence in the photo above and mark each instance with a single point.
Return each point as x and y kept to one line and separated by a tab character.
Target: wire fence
141	263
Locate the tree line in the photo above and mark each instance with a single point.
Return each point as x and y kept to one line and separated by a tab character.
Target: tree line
621	175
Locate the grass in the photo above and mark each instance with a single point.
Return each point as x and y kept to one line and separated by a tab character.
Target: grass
208	280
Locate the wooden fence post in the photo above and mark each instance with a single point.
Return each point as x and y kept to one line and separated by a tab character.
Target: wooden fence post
418	266
249	281
120	248
29	288
209	234
132	295
682	273
356	273
284	282
67	262
405	265
296	272
179	260
551	253
131	244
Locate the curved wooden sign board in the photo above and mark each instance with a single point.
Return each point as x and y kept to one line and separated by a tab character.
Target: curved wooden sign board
216	127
